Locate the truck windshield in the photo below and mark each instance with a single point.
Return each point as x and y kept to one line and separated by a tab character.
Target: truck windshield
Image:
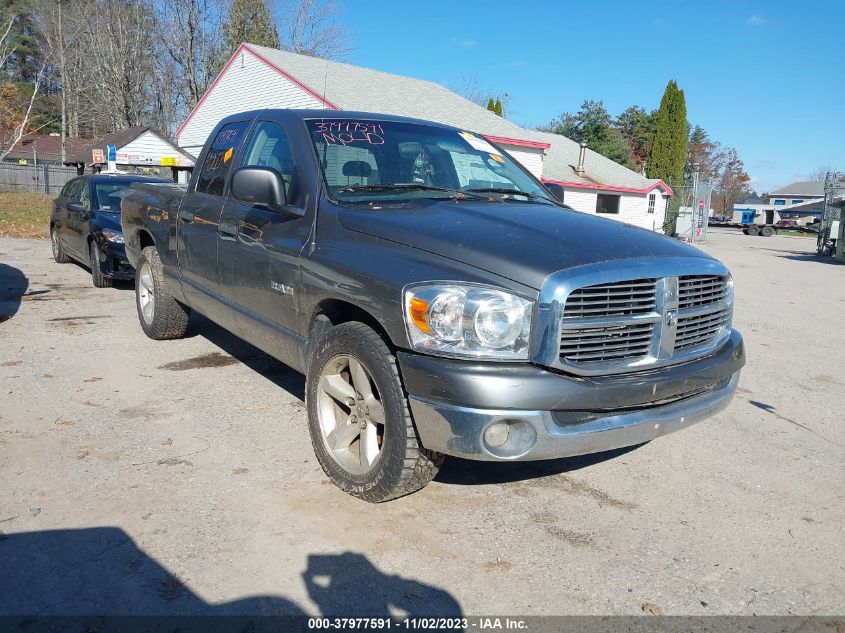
375	161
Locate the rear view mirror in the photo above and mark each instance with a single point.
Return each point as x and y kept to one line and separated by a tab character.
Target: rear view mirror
76	207
259	185
556	190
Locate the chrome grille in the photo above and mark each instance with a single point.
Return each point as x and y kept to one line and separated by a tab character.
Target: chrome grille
605	318
606	343
622	298
697	290
700	329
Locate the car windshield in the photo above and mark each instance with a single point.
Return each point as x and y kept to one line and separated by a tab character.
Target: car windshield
389	161
108	195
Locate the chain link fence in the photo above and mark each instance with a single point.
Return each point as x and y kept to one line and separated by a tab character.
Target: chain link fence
46	178
692	200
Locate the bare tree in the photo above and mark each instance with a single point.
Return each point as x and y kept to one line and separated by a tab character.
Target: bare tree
819	173
19	126
190	34
314	29
118	39
61	28
470	89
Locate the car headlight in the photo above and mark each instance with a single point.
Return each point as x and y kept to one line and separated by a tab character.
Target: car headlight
113	236
467	321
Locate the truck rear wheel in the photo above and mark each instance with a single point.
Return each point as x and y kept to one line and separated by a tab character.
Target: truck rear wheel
767	231
753	229
358	416
161	316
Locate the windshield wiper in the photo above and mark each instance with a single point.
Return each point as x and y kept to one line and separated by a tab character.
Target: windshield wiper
516	192
503	190
399	186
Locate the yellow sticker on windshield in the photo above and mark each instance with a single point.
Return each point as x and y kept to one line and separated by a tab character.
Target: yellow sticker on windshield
228	154
497	158
476	142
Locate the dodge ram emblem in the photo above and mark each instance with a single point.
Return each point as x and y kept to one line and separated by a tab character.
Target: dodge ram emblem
671	318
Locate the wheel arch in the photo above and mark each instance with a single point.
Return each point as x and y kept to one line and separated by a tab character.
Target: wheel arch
330	312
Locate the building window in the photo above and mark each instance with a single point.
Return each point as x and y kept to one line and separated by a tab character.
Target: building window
780	203
607	203
651	200
797	201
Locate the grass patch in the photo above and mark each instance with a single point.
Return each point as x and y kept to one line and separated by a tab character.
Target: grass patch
789	233
25	214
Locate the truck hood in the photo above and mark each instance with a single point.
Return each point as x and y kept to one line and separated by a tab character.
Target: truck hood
522	242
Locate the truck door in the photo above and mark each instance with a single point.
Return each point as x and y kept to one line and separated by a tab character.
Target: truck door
259	248
199	217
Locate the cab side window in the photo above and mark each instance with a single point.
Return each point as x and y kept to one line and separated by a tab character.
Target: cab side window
269	147
73	189
85	195
219	159
68	188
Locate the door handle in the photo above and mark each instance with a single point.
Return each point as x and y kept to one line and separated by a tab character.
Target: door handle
186	216
227	231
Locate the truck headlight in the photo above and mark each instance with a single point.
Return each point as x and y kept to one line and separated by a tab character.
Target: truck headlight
467	321
113	236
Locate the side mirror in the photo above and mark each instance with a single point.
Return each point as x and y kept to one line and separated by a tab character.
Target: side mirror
76	207
259	185
556	190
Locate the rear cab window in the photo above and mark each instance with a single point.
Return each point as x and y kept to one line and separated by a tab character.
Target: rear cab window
218	161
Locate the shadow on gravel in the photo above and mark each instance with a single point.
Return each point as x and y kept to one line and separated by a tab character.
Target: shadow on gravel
102	572
13	286
280	374
812	257
465	472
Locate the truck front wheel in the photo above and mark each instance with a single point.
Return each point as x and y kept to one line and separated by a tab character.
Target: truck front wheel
161	316
358	416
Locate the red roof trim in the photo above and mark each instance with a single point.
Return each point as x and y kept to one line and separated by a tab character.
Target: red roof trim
516	141
244	48
585	185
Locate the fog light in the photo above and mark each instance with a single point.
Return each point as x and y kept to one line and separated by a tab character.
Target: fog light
497	434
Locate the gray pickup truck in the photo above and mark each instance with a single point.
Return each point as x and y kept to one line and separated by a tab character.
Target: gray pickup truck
437	297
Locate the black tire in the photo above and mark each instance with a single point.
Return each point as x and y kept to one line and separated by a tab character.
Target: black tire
754	230
97	277
403	465
167	318
58	252
767	231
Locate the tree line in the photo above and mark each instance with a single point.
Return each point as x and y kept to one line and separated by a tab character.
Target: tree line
659	143
85	69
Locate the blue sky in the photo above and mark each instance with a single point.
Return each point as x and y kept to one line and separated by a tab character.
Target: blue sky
766	77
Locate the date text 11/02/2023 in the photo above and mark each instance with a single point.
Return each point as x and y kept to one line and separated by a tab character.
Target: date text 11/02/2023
422	624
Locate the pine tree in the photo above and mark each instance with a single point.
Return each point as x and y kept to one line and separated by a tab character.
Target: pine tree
249	21
491	105
498	107
669	152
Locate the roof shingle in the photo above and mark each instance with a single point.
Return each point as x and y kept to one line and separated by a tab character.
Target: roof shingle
355	88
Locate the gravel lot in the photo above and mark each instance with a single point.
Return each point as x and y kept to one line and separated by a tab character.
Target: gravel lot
177	477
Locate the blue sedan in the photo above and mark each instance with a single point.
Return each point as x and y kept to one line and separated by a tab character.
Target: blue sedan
85	225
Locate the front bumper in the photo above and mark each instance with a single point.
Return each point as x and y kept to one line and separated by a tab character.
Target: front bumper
113	261
549	415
